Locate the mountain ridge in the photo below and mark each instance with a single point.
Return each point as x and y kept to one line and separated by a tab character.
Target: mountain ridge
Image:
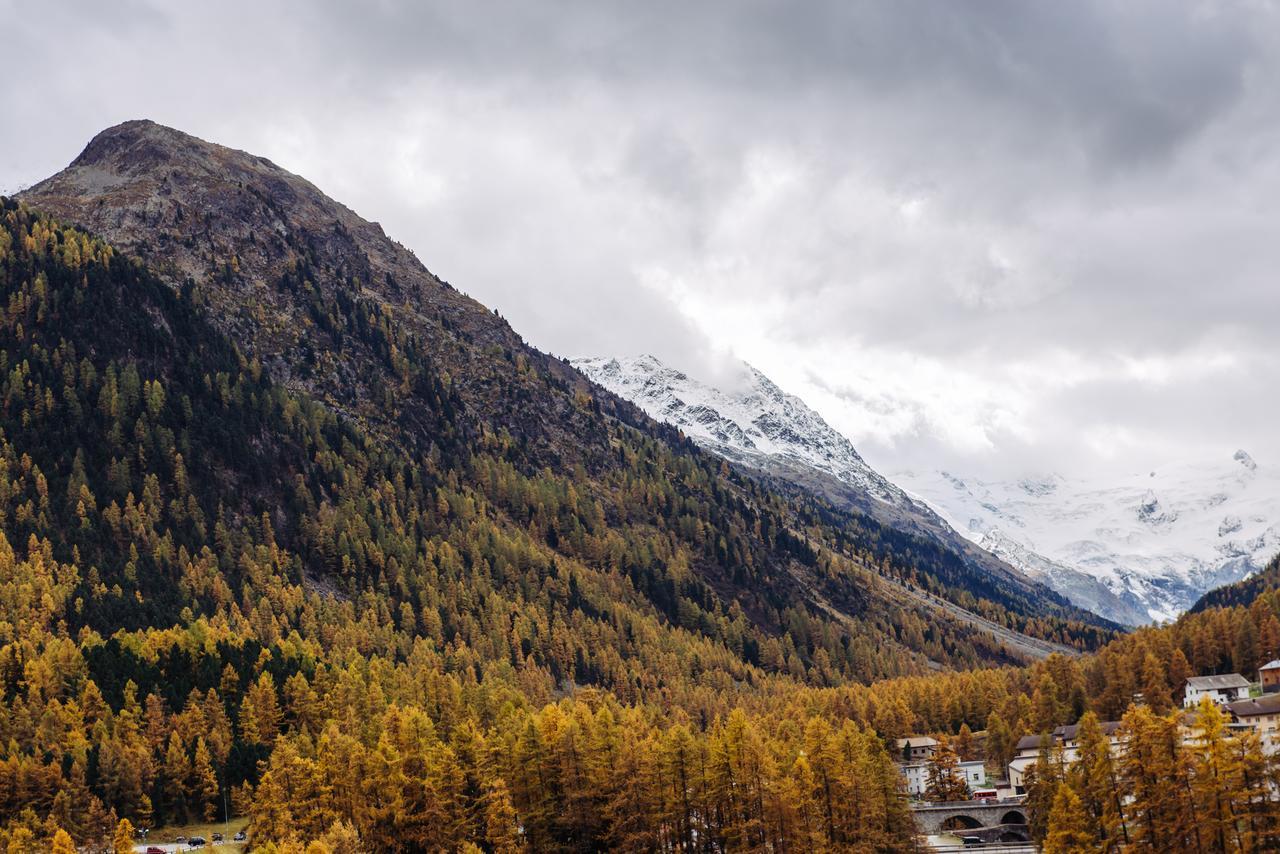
281	264
328	306
333	559
1158	539
1117	572
767	430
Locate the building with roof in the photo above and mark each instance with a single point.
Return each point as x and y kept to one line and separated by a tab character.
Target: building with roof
1067	737
1222	689
916	774
1262	714
1191	733
917	748
1269	676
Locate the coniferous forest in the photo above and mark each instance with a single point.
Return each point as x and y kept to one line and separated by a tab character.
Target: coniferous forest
494	649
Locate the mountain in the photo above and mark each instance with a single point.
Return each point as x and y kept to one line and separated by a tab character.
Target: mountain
218	595
290	524
1156	539
1242	593
324	300
759	426
291	528
322	305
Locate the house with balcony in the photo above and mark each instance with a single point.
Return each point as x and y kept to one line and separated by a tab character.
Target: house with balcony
1221	689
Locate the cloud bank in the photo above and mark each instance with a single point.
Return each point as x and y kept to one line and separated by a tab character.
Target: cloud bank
993	236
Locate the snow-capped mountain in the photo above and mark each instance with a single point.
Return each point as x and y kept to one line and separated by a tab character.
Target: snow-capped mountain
762	427
1134	549
757	424
1157	540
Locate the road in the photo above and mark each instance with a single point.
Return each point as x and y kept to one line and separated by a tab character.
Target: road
1025	644
182	847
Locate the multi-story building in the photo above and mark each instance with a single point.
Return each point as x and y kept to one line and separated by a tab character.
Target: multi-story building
916	774
1262	714
1028	750
1222	689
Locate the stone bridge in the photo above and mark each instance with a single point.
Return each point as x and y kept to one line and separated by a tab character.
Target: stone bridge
991	821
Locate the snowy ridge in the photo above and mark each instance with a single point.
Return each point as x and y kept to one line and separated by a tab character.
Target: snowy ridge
759	423
763	428
1157	540
1135	549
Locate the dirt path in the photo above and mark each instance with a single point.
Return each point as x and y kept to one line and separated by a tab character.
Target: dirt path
1025	644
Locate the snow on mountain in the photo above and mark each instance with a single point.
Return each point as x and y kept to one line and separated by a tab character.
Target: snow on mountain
762	427
759	423
1157	540
1136	548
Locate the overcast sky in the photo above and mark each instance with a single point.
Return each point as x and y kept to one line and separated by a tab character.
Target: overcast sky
989	236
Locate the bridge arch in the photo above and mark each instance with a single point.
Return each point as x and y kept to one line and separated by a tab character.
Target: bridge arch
984	818
962	822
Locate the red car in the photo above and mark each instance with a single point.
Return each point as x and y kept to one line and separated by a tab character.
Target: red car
151	849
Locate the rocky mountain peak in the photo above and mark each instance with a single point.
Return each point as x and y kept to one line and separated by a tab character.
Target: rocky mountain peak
322	298
141	144
758	425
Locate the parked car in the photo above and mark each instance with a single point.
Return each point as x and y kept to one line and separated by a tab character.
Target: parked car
152	849
180	839
240	836
196	841
216	837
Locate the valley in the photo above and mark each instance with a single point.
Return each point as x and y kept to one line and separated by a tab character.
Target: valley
279	504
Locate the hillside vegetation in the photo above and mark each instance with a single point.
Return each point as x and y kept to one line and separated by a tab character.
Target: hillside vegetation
292	526
214	586
217	587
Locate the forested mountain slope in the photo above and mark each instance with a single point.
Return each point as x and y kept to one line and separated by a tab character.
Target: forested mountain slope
208	571
755	424
297	502
328	305
1242	592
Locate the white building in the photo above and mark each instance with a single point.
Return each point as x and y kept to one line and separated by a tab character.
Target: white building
1222	689
1028	750
974	773
917	748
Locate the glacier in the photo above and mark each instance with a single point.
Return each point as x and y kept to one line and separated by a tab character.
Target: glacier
1157	538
